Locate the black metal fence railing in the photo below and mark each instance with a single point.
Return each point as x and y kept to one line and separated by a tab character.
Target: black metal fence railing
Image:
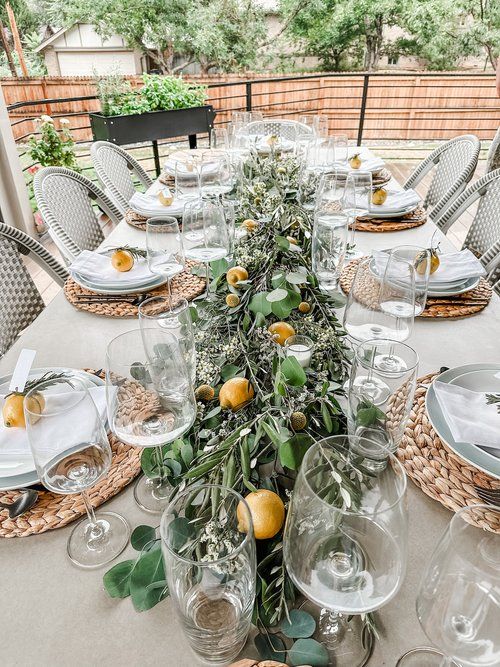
366	106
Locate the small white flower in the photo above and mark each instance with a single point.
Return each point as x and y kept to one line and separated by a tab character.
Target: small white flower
46	119
64	121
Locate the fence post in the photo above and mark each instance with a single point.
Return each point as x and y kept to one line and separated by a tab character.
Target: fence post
366	81
248	87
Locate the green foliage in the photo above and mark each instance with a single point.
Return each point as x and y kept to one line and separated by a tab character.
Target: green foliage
308	651
52	148
157	93
298	624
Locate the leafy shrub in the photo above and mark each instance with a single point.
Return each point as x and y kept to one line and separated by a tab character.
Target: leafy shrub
53	148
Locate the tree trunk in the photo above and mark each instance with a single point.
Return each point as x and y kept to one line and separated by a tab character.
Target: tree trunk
374	38
5	43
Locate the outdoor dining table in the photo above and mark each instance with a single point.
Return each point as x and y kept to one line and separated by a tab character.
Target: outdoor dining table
55	614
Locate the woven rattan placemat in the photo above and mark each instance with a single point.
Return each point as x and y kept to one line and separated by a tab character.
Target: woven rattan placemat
438	471
416	218
135	220
54	510
185	285
461	305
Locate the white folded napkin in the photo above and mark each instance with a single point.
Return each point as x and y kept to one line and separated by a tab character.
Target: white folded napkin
149	205
468	415
369	163
97	267
15	452
262	144
457	266
397	201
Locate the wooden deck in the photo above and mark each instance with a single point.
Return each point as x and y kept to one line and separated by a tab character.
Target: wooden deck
401	169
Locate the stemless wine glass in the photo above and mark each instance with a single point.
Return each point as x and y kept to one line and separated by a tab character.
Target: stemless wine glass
379	402
187	180
357	197
210	565
380	307
345	538
72	454
150	402
230	218
341	142
216	176
165	250
159	312
308	182
329	245
458	605
331	188
205	233
321	154
219	138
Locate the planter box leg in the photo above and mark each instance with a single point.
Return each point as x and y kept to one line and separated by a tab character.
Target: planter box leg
192	141
156	156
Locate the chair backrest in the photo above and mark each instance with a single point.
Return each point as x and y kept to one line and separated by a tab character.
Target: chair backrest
493	158
455	163
65	199
116	170
484	232
20	300
286	129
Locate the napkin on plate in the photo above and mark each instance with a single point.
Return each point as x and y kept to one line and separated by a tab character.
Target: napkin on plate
15	452
369	163
97	267
396	202
468	415
149	205
454	266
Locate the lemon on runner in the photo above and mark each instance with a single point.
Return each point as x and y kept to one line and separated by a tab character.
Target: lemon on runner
281	331
268	514
235	393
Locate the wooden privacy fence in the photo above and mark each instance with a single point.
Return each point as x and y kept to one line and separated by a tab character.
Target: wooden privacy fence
392	106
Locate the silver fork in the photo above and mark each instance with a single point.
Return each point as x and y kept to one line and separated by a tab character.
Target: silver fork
489	496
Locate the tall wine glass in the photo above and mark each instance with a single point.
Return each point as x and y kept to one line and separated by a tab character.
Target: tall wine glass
329	245
379	402
151	403
230	218
165	250
345	538
378	309
205	233
72	454
210	565
458	604
420	260
158	312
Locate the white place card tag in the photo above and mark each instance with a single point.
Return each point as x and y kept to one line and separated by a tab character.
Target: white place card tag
22	370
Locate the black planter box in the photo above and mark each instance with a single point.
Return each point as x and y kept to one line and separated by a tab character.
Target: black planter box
154	125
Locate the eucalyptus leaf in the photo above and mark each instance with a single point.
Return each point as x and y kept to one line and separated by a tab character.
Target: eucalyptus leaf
260	304
308	652
293	372
299	624
293	450
141	536
179	531
277	295
296	278
270	647
229	371
148	570
117	579
218	267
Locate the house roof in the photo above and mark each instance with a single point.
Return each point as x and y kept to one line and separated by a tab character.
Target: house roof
47	42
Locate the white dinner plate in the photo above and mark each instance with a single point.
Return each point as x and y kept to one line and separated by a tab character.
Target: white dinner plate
25	474
123	289
395	214
120	284
476	377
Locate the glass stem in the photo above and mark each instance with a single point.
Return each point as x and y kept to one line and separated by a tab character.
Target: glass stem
159	463
95	529
169	294
207	278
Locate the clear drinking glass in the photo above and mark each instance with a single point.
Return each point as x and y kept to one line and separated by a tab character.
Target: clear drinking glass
379	402
150	402
210	565
458	605
72	454
321	126
165	250
329	246
205	233
341	142
380	307
216	176
308	182
321	154
345	539
230	217
300	347
357	198
330	191
176	317
187	180
219	138
420	259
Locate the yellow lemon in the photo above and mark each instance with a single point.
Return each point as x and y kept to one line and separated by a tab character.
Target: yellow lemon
164	198
281	331
355	161
421	262
235	274
13	409
250	225
122	260
379	196
235	393
267	511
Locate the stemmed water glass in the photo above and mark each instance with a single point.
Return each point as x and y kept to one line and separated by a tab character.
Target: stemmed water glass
72	454
458	604
205	233
150	402
159	312
345	538
165	250
329	245
379	401
210	565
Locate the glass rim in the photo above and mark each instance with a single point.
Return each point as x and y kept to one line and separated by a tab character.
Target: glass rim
138	331
158	220
180	306
458	516
83	389
390	343
249	535
348	511
294	339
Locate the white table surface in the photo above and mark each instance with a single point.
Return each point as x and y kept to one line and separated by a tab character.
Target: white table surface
55	614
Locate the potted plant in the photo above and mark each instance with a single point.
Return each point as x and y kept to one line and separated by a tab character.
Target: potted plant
164	107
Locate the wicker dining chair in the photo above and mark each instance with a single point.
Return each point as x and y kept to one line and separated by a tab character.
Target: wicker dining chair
117	171
483	237
286	129
20	300
454	163
65	199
